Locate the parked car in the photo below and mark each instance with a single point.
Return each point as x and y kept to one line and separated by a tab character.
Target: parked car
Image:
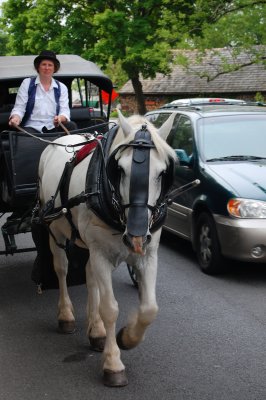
222	143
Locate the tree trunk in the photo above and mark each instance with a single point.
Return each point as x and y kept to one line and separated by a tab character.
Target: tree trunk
137	86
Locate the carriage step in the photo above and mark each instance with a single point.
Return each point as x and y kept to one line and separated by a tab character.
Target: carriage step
18	225
11	228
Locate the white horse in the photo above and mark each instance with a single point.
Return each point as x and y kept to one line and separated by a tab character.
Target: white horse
139	172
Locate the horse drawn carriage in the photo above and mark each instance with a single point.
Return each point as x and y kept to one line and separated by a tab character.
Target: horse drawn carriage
88	89
110	202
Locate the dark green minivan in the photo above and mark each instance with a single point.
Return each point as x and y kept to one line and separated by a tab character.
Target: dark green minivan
223	144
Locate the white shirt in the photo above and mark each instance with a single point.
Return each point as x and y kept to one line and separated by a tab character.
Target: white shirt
44	109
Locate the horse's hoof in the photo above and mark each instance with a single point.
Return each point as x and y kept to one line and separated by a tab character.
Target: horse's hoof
115	379
119	340
66	327
97	343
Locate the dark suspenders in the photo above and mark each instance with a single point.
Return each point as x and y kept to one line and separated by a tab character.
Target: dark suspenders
31	98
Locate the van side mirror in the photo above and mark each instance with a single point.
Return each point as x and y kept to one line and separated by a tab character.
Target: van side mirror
184	159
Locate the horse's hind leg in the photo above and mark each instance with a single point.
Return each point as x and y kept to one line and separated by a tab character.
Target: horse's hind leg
96	331
66	319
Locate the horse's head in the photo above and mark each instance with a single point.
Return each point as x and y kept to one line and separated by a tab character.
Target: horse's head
140	168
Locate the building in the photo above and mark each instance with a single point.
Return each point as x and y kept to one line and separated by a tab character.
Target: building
204	78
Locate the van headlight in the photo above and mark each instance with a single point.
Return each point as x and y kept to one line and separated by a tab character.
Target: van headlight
246	208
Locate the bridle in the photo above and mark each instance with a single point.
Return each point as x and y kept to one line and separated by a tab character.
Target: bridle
137	220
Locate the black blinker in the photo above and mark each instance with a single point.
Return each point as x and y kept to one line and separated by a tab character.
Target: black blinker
137	223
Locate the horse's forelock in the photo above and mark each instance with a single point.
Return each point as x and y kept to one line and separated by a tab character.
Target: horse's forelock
137	121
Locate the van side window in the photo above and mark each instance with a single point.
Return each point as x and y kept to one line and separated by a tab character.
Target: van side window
183	135
158	119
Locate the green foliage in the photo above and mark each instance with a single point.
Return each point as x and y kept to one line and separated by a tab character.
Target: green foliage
3	43
117	74
239	23
259	98
114	114
130	38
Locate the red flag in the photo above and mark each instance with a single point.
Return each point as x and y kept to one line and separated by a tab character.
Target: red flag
105	96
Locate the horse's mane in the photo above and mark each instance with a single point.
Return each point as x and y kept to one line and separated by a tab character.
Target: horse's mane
136	121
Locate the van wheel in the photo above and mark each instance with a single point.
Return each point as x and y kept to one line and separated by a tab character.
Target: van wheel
207	246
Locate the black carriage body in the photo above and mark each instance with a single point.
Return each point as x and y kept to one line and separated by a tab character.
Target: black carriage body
19	162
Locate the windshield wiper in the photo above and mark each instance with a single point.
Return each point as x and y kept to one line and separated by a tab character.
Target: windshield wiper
236	158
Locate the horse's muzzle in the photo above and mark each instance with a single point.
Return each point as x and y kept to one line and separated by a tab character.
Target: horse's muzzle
137	244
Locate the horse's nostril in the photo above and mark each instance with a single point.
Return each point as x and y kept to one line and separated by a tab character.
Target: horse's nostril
137	244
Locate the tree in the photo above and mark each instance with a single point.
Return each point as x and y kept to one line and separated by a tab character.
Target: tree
238	28
3	43
137	35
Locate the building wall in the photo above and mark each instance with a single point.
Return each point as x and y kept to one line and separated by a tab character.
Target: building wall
129	105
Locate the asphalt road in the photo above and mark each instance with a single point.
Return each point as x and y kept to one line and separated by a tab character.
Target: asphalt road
208	341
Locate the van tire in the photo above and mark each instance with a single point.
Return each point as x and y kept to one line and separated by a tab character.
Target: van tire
208	250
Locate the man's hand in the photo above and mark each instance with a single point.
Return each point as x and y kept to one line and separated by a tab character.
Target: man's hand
14	120
58	119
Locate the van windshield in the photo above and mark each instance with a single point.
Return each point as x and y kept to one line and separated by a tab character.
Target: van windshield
232	138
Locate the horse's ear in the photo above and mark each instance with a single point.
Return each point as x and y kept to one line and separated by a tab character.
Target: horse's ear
166	127
124	124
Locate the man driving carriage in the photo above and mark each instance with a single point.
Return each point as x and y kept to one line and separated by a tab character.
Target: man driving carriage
42	103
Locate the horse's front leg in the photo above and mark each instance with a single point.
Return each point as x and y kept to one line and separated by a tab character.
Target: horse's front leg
113	368
133	333
66	319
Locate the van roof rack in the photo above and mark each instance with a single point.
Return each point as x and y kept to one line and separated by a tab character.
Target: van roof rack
203	101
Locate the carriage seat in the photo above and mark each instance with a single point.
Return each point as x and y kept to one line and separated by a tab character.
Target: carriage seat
86	116
19	160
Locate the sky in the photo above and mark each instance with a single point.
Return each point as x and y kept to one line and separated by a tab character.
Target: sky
1	1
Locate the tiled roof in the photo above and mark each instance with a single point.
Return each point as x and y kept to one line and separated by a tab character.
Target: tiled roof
250	78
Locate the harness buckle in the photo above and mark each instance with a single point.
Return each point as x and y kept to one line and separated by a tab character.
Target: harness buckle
69	148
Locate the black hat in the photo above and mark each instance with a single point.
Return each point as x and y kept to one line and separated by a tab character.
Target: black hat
47	55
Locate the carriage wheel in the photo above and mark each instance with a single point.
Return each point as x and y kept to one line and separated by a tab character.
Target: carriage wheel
133	275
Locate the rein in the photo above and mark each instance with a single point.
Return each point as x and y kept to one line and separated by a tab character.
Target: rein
70	147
